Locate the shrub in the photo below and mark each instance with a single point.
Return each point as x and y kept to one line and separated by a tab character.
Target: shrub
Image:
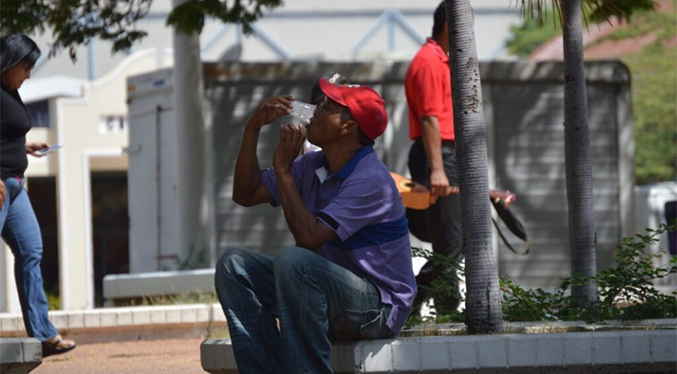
625	292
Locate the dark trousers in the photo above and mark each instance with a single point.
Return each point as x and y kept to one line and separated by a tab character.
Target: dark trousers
442	220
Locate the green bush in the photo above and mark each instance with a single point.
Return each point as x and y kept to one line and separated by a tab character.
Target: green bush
625	292
654	79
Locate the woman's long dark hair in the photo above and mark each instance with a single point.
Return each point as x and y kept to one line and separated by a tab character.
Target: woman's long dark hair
17	48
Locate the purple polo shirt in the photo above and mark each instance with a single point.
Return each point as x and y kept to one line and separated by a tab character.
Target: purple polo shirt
361	204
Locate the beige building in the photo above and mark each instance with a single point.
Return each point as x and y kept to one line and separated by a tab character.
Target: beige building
88	118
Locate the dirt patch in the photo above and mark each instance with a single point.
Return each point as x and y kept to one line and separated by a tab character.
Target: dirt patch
148	357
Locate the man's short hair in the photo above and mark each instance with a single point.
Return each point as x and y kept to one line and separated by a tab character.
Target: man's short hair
346	116
439	19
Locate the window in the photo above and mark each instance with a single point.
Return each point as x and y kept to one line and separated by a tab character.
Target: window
112	124
39	112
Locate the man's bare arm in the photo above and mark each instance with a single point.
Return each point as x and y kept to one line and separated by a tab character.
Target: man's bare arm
432	142
248	189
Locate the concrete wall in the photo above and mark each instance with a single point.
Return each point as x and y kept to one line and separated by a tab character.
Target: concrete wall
524	116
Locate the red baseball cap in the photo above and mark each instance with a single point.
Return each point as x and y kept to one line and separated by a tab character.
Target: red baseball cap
365	105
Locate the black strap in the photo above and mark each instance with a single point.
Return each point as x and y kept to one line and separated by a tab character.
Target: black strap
512	223
507	243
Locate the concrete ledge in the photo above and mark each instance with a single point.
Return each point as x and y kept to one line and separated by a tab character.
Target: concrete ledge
129	323
647	351
122	286
19	355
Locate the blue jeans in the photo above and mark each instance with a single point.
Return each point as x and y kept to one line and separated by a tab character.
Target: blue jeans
21	232
315	300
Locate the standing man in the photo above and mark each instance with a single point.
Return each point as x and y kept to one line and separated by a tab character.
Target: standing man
432	157
350	275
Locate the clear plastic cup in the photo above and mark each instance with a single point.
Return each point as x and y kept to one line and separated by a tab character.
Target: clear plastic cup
302	111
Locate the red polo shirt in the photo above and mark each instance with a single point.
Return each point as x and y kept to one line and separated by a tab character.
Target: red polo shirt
428	89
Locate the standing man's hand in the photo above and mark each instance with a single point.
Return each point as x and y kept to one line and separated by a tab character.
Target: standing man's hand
288	148
2	193
439	183
270	110
36	146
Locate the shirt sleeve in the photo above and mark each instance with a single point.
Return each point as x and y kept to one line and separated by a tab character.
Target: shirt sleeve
358	204
270	180
430	91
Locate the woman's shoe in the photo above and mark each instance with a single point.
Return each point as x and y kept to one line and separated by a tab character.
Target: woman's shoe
56	346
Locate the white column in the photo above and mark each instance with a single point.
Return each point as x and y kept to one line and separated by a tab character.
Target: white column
9	299
190	173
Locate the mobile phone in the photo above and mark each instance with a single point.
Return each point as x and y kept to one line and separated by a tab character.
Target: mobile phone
48	150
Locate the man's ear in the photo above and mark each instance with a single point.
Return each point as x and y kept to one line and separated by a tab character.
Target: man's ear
348	127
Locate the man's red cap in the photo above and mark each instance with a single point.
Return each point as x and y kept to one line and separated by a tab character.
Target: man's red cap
365	105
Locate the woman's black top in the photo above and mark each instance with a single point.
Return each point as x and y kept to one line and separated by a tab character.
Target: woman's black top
15	121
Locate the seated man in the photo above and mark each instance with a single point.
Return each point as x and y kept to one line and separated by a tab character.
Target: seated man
350	276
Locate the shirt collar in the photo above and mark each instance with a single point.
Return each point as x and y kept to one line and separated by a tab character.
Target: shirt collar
438	49
350	166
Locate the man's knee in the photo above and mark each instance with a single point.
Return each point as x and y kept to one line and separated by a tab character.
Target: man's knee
229	261
292	266
291	259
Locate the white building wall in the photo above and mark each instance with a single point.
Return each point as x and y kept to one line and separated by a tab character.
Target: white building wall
87	146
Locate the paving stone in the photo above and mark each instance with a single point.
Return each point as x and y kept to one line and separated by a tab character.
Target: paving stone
123	317
376	356
141	316
76	320
435	354
173	315
635	347
11	350
406	354
492	351
108	318
9	323
521	351
218	315
463	353
32	350
577	349
158	316
664	346
188	315
19	355
562	353
92	318
549	350
203	313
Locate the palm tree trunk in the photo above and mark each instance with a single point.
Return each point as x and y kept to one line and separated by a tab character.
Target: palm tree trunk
582	236
483	306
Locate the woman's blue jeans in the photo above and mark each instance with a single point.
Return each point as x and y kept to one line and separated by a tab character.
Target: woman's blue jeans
315	300
21	232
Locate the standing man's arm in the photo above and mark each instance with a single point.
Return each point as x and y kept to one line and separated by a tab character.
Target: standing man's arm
432	142
248	189
308	231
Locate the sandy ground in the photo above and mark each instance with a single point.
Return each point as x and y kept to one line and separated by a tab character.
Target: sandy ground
142	357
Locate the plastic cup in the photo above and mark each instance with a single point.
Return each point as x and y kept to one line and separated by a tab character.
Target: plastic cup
302	111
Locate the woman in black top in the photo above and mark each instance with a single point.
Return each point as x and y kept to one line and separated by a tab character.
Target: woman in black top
20	230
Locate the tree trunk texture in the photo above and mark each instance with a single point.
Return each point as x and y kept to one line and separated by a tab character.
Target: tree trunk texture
483	306
582	235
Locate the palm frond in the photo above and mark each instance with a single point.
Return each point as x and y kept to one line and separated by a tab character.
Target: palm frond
593	10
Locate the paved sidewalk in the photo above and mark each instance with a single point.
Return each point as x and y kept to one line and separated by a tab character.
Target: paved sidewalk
138	357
